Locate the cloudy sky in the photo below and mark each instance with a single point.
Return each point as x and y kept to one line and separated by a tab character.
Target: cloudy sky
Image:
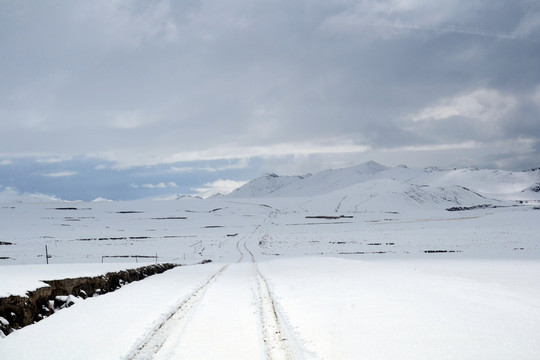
130	99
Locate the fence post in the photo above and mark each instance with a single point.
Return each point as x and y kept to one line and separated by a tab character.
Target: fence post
46	254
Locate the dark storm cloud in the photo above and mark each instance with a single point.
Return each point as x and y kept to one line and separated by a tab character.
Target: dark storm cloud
136	83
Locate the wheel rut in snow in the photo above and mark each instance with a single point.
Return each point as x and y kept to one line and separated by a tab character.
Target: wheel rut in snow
179	317
243	241
277	342
277	338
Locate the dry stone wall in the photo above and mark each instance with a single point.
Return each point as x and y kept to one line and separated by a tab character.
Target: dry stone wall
19	311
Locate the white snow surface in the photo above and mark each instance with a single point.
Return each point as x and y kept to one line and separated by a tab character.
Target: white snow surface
359	263
490	183
330	309
343	309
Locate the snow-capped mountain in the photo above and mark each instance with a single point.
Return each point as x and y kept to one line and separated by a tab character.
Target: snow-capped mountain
495	183
457	186
267	185
11	195
272	185
387	195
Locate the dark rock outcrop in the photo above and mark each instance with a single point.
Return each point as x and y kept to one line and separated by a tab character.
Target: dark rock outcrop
19	311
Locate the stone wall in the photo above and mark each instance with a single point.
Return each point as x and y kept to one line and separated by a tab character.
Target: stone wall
19	311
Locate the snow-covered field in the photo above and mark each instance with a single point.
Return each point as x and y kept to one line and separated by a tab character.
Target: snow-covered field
373	268
188	231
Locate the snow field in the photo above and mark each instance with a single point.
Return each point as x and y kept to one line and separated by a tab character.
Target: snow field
344	309
211	228
327	308
480	234
132	228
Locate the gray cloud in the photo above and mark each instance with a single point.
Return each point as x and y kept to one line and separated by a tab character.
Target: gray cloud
320	82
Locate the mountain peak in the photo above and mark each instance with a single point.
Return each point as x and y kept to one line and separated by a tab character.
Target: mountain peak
370	167
328	181
431	169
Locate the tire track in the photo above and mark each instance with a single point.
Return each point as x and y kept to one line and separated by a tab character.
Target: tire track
178	317
181	314
278	342
243	241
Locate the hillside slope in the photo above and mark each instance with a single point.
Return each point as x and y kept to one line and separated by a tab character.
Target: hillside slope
498	184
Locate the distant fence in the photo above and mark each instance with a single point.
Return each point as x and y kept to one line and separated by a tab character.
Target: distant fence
137	257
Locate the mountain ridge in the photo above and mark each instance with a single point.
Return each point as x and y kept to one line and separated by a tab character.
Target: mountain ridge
498	184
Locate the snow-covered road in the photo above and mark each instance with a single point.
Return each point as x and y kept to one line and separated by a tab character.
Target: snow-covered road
226	313
235	303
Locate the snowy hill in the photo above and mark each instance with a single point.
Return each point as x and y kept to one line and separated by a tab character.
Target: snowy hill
266	185
432	183
11	195
388	195
272	185
496	183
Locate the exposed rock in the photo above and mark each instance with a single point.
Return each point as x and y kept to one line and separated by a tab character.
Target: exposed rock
475	207
532	188
19	311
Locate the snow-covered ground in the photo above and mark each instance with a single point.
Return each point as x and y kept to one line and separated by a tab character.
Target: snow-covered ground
188	231
409	309
328	308
375	268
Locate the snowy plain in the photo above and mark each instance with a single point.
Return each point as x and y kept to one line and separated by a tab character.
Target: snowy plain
374	268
